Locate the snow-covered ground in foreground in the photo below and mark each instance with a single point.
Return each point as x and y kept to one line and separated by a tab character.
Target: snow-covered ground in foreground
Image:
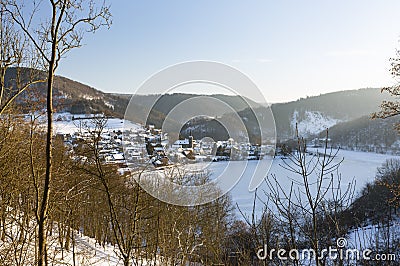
358	166
85	251
367	236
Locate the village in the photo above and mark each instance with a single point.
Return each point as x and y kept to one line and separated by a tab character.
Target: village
130	145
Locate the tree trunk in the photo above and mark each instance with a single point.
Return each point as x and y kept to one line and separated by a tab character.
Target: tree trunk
42	217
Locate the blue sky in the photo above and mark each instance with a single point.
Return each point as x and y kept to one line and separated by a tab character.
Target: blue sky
290	49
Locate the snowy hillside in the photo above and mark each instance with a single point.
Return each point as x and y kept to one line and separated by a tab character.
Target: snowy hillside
83	250
312	122
371	236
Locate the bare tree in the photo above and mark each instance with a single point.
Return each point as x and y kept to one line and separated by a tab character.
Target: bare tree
314	200
392	108
60	32
125	202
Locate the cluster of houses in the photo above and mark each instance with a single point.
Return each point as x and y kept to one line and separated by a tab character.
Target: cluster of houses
162	151
129	147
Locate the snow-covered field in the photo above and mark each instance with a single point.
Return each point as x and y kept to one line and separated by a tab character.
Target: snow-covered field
358	166
67	123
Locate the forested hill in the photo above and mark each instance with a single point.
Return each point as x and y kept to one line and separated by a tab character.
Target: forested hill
69	95
313	114
345	105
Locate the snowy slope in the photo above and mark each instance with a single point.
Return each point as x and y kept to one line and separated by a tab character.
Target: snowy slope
376	238
83	250
312	122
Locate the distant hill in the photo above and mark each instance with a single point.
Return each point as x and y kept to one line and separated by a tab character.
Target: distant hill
314	114
71	96
328	109
199	105
247	128
166	102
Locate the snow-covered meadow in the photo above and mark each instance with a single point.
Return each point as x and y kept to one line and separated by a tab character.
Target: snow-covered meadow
358	167
66	123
